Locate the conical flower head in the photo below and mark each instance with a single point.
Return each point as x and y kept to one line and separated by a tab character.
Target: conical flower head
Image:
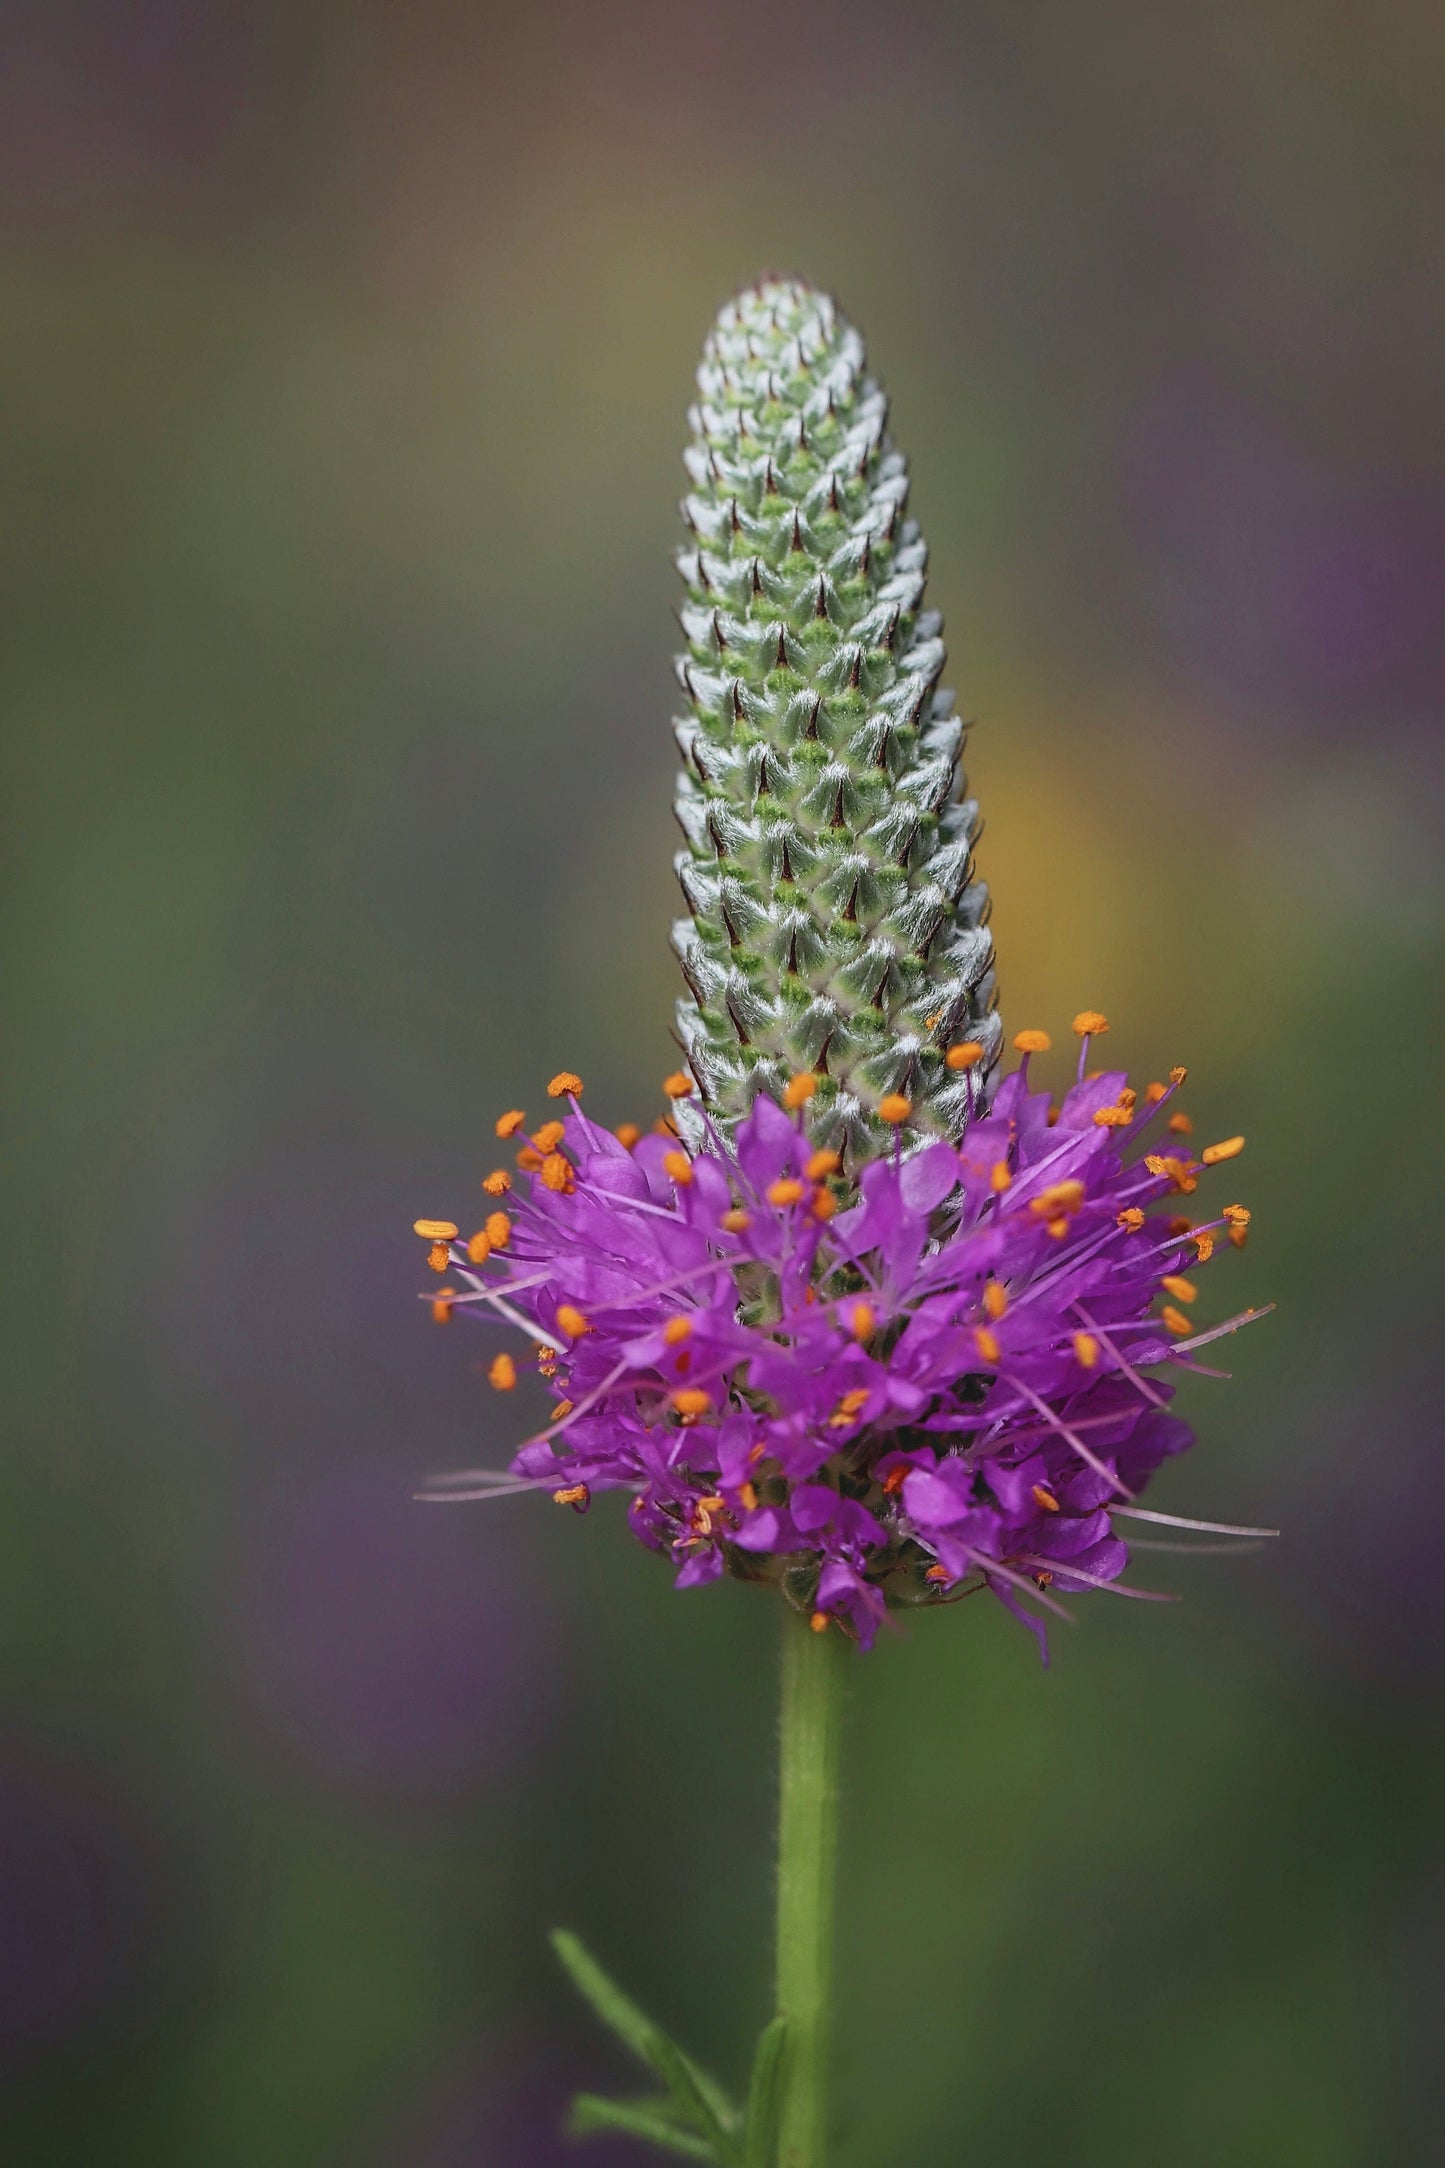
835	928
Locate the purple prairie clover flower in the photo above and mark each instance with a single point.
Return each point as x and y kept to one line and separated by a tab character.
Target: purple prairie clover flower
950	1373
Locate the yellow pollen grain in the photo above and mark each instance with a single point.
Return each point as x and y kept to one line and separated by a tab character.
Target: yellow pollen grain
508	1124
1229	1149
1177	1322
1131	1219
821	1165
435	1230
548	1137
894	1108
1203	1242
571	1321
995	1300
1044	1498
784	1191
498	1230
573	1494
1182	1290
999	1177
690	1400
441	1308
566	1084
736	1222
676	1330
987	1343
679	1085
497	1183
820	1622
479	1249
627	1134
1086	1350
824	1204
1032	1042
861	1321
503	1374
679	1167
1089	1023
439	1256
799	1090
966	1055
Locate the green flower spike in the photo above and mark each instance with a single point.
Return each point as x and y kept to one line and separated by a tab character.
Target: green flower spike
836	929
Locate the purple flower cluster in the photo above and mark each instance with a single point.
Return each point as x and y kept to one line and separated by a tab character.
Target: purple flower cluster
877	1391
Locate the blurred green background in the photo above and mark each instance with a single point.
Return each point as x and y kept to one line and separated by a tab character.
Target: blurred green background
344	359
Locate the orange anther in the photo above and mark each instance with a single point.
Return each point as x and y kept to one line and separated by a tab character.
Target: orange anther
1044	1498
565	1085
571	1321
936	1574
441	1308
436	1230
966	1055
1182	1290
1032	1042
439	1256
508	1124
820	1622
1238	1235
1181	1125
503	1374
987	1343
690	1400
572	1494
549	1136
999	1177
823	1203
627	1134
557	1173
849	1408
1177	1322
895	1479
1113	1117
499	1230
995	1300
479	1249
1131	1219
748	1497
736	1222
1060	1198
1153	1093
822	1164
1229	1149
784	1191
679	1167
1086	1350
676	1330
1089	1023
894	1108
1203	1242
562	1409
799	1090
861	1321
497	1183
679	1085
529	1159
1178	1076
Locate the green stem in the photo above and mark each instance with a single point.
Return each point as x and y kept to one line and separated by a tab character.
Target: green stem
807	1848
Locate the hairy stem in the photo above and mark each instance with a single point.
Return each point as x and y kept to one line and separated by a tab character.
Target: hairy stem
807	1848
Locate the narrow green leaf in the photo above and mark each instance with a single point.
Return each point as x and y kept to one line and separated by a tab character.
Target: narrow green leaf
646	2119
765	2092
698	2097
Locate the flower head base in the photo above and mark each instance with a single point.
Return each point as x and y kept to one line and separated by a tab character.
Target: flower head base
888	1392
